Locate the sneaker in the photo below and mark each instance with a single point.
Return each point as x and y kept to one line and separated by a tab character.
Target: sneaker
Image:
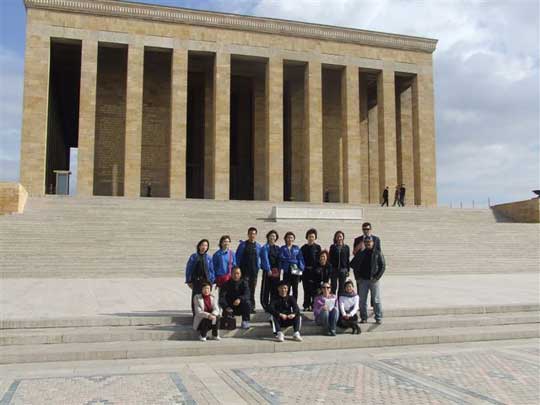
202	338
217	338
296	336
332	333
363	321
280	337
245	325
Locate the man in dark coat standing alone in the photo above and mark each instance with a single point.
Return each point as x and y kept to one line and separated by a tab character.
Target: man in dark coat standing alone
385	197
402	195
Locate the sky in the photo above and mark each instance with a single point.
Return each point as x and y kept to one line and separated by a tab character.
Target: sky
486	68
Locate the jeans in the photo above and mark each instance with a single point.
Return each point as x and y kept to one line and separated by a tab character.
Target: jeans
328	319
364	287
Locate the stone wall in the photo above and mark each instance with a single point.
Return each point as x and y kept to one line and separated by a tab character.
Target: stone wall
12	198
520	211
110	121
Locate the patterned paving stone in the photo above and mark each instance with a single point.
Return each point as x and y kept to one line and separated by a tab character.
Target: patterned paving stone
335	383
492	377
122	389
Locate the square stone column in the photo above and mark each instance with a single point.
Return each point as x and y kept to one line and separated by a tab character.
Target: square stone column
350	109
313	108
425	177
134	95
364	141
87	118
179	79
35	110
274	131
260	130
386	103
406	142
222	135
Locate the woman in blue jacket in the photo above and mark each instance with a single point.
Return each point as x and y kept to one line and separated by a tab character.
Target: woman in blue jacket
199	269
271	268
224	260
292	263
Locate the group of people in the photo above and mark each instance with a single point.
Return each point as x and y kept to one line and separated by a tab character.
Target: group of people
324	274
399	196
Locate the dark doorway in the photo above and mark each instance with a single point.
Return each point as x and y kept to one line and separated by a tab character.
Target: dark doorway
241	156
63	113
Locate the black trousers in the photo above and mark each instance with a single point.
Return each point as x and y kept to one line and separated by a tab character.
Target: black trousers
337	281
310	288
292	282
347	323
385	202
242	309
206	324
252	283
268	289
278	323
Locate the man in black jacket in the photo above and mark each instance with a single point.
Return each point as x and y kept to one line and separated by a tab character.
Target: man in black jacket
234	297
369	266
366	232
285	312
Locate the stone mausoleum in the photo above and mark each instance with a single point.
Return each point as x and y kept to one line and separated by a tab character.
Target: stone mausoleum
197	104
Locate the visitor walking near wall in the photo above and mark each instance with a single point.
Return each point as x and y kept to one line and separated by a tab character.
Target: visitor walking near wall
385	197
249	260
271	268
339	259
199	269
310	253
292	263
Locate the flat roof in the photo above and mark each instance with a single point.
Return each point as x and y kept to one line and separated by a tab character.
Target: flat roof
179	15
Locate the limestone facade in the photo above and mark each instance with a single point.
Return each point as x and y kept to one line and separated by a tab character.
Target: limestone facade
182	103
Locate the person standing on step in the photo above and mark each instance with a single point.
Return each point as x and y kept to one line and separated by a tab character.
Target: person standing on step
385	197
369	266
321	273
348	308
325	309
291	262
285	313
206	313
199	269
396	196
249	260
310	253
271	269
402	191
366	231
234	297
339	259
224	260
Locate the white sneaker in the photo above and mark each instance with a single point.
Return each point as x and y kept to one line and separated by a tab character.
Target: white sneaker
245	325
280	337
296	336
215	338
202	338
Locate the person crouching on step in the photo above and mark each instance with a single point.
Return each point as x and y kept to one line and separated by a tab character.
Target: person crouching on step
285	312
206	313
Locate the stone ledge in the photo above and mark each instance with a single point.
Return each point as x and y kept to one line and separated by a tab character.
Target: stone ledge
527	211
285	213
237	22
13	198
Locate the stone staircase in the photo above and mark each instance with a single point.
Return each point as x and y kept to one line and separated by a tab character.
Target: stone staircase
145	237
143	335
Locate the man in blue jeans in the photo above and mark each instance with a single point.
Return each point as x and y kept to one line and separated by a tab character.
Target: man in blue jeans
369	266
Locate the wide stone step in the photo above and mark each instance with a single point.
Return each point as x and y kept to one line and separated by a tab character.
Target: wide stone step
182	330
173	348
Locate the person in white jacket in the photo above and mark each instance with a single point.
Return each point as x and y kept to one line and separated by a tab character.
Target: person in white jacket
348	308
207	311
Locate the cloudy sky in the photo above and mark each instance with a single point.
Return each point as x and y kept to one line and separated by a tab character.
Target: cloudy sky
486	82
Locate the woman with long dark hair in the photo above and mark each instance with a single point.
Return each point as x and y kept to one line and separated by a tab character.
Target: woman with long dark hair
339	259
199	269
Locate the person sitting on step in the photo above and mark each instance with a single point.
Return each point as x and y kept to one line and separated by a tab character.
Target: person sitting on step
206	313
325	309
348	308
285	313
234	297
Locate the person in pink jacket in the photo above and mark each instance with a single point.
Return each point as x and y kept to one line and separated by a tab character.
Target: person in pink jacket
325	309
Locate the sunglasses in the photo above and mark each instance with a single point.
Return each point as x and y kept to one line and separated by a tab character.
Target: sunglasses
366	229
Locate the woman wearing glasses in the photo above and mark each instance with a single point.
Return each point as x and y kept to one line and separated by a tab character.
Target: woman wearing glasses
325	310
